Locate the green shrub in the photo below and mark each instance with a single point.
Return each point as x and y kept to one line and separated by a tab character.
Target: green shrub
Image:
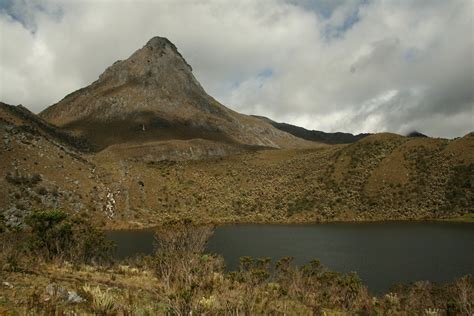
19	179
54	235
12	251
3	226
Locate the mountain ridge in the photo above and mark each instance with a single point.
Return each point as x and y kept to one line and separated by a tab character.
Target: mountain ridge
152	94
313	135
159	153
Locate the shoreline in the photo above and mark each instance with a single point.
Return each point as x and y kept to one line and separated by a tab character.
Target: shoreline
464	219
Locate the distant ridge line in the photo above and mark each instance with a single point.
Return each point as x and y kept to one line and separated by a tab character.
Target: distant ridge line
315	136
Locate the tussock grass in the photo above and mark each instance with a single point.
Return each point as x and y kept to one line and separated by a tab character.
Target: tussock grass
181	280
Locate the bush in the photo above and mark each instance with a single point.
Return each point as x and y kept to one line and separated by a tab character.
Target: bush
18	179
54	235
103	302
3	225
12	251
42	190
179	262
179	246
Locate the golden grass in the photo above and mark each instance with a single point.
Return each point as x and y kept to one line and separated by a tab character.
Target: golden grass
466	218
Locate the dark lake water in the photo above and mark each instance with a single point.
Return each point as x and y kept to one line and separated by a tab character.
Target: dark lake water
382	254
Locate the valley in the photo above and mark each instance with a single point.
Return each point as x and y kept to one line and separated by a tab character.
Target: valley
382	177
144	146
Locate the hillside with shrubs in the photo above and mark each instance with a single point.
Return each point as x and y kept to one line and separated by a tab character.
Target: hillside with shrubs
145	146
380	177
62	266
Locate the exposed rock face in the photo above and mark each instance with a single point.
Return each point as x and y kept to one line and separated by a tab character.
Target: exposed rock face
151	96
20	117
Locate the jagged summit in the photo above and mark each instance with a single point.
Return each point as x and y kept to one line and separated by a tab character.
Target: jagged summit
157	59
159	41
153	95
159	44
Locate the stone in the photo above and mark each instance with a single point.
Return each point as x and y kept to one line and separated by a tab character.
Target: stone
56	290
74	298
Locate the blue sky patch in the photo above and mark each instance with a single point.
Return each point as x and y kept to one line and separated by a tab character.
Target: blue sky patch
266	73
24	12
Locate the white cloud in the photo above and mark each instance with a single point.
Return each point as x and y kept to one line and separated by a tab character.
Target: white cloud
321	64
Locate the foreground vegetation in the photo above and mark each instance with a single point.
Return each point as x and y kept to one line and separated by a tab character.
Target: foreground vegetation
62	266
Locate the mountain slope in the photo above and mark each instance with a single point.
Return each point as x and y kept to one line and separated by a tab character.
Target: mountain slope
383	176
21	117
315	136
153	96
149	123
41	167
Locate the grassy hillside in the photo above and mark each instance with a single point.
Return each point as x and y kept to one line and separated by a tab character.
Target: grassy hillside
381	177
42	168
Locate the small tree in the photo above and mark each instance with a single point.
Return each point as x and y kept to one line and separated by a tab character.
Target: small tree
54	235
50	235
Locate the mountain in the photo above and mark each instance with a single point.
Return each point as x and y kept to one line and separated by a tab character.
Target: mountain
129	150
380	177
416	134
315	136
153	96
43	167
22	118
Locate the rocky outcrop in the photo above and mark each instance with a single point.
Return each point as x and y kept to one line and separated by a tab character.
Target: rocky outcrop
18	117
153	96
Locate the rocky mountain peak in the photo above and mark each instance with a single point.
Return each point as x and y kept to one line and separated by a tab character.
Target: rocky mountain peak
156	63
160	43
153	95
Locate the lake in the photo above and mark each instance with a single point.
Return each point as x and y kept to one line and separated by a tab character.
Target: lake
382	254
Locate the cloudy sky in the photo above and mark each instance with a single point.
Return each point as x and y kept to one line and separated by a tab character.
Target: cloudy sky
332	65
